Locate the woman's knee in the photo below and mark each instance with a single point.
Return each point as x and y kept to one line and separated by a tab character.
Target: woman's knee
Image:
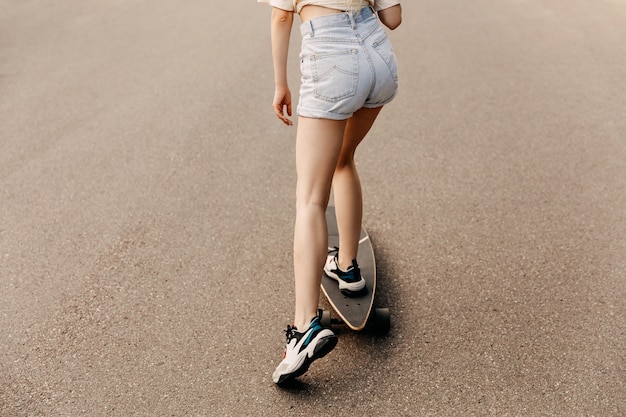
310	198
308	210
345	161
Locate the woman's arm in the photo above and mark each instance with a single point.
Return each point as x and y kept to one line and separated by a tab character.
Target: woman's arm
391	16
281	23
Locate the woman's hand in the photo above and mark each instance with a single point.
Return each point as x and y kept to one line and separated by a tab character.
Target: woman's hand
282	99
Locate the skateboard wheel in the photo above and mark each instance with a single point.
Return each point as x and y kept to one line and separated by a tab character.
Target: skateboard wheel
382	320
325	319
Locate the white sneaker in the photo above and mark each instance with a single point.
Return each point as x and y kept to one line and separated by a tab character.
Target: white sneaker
302	349
350	281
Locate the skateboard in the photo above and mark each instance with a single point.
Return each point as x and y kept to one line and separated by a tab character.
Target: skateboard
353	310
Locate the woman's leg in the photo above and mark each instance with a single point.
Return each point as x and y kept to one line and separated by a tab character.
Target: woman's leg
318	144
347	186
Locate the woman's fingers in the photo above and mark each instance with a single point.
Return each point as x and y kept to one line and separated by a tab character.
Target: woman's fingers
280	113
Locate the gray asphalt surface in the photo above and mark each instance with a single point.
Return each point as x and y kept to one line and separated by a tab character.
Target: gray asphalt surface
147	201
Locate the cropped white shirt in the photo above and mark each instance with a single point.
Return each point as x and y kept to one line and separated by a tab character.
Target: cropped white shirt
297	5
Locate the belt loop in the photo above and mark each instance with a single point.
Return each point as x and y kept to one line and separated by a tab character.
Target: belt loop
352	22
312	30
374	12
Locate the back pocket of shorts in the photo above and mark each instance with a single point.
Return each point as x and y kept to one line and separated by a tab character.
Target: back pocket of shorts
385	50
335	74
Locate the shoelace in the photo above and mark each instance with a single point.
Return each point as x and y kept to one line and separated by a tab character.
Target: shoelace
290	332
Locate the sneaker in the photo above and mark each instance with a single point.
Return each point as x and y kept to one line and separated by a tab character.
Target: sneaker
350	281
302	349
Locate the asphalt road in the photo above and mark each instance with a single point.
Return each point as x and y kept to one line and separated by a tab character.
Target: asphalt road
147	203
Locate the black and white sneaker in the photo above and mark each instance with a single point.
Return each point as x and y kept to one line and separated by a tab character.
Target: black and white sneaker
302	349
350	281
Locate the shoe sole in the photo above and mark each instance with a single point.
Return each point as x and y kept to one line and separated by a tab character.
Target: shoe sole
322	348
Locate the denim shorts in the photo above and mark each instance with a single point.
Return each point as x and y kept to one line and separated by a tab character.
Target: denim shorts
347	63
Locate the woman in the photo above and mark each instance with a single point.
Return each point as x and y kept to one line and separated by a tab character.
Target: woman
349	72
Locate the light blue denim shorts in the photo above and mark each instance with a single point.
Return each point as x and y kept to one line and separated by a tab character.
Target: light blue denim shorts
347	63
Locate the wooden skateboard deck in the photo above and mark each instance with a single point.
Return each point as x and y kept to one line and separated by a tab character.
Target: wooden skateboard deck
354	310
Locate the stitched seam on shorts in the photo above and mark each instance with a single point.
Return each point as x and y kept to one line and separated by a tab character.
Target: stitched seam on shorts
319	77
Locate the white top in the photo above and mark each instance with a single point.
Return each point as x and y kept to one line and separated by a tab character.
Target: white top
297	5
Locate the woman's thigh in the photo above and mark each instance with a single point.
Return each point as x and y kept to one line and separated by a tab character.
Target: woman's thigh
318	144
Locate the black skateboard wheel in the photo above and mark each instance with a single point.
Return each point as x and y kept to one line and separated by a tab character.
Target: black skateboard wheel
325	318
382	320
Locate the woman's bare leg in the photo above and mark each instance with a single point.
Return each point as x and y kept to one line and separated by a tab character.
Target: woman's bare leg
318	144
347	186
